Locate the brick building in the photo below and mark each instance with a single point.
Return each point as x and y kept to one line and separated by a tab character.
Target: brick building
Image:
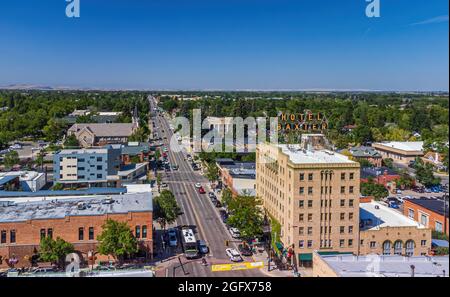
239	177
432	213
76	220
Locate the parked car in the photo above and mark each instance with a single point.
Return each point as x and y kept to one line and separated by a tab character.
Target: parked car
203	247
245	250
164	185
393	204
201	190
234	255
198	185
235	233
217	204
43	270
211	195
173	242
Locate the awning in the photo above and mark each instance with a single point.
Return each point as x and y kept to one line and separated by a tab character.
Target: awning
305	257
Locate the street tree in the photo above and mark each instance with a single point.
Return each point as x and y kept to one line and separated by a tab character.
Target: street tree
166	209
55	251
424	174
246	214
212	172
117	240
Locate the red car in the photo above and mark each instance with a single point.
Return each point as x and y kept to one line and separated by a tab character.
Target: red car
201	190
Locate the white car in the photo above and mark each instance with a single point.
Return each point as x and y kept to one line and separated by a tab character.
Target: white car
235	233
198	185
164	185
234	255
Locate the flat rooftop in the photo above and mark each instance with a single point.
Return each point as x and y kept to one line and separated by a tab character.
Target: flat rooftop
299	156
376	215
83	151
61	208
346	265
403	145
434	205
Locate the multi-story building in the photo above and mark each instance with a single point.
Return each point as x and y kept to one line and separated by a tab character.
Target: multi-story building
94	167
432	213
77	220
366	153
313	193
385	231
239	177
89	135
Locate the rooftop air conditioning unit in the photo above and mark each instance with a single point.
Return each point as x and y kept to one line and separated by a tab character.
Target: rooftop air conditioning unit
377	207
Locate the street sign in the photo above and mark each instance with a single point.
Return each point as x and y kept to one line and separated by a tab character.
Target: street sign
239	266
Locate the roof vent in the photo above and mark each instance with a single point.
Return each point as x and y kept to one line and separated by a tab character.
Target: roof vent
81	205
377	207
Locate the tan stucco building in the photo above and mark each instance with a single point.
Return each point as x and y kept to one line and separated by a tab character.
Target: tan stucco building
313	193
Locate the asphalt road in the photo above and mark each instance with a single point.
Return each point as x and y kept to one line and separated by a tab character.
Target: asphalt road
197	210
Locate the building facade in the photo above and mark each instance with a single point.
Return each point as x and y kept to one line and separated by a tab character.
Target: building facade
76	220
95	167
432	213
89	135
400	152
313	193
385	231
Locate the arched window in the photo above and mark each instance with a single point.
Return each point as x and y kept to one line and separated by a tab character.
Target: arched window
387	247
398	247
410	248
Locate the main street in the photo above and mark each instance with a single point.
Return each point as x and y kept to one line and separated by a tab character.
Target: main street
197	210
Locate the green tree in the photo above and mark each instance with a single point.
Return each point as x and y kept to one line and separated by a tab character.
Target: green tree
388	162
246	214
55	251
425	175
117	240
53	130
166	209
71	141
372	189
11	159
227	196
212	172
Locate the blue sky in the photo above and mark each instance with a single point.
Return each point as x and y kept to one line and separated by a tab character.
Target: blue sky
226	44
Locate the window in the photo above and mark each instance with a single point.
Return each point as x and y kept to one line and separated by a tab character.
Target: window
410	248
424	219
3	237
342	202
91	233
12	236
373	244
81	233
350	203
99	159
310	190
351	175
310	203
350	189
342	216
310	230
50	232
301	203
342	176
310	176
99	167
302	176
144	231
301	244
398	247
342	190
99	176
423	242
350	215
138	231
438	226
411	213
342	230
302	190
310	243
300	217
301	231
309	217
350	242
42	233
350	229
341	243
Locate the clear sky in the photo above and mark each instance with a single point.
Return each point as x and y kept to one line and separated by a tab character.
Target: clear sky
226	44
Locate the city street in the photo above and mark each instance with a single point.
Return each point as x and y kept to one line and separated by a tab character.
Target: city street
197	210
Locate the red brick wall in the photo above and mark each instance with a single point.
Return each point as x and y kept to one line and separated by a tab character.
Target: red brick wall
432	216
28	233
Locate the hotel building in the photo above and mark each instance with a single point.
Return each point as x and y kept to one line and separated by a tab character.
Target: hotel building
313	193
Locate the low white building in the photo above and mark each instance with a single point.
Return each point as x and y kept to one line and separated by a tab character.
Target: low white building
30	181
